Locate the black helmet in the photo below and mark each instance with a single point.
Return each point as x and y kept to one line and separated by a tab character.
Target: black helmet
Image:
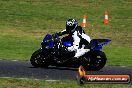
71	24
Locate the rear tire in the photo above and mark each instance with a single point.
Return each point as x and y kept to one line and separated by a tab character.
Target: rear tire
97	61
38	59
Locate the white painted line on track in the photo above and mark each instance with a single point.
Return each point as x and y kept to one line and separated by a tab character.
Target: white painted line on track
8	60
29	79
21	78
51	80
123	66
14	60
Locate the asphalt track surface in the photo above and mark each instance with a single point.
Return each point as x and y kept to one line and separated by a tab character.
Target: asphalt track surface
23	69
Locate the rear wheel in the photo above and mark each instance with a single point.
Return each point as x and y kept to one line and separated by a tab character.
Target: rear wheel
97	61
39	59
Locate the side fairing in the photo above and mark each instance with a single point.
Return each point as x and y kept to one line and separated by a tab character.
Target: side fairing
46	41
67	41
97	44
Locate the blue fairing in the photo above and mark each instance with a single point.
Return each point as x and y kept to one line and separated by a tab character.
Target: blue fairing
97	44
47	37
50	43
67	41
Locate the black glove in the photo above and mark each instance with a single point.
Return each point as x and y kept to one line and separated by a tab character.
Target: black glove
54	35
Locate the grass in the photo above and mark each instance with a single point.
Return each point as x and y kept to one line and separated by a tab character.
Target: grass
118	56
27	83
44	14
17	46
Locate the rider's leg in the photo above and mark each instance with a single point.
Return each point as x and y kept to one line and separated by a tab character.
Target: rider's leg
81	52
70	49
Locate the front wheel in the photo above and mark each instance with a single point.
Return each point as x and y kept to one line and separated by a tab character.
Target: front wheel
38	59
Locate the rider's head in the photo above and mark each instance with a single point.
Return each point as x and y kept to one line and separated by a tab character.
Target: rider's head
71	24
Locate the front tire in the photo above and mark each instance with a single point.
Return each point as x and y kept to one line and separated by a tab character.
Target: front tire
38	59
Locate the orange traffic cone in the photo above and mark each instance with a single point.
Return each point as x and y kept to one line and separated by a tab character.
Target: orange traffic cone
106	21
84	21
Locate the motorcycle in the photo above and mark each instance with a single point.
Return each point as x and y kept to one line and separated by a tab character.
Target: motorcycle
54	52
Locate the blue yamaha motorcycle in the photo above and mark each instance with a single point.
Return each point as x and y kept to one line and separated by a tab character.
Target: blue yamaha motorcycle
54	52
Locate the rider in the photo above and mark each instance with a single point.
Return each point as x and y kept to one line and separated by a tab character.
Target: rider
81	41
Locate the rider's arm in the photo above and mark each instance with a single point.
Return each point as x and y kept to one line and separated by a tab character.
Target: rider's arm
62	32
79	28
76	40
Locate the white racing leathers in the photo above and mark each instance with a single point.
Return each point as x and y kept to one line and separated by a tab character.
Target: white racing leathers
79	38
79	51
